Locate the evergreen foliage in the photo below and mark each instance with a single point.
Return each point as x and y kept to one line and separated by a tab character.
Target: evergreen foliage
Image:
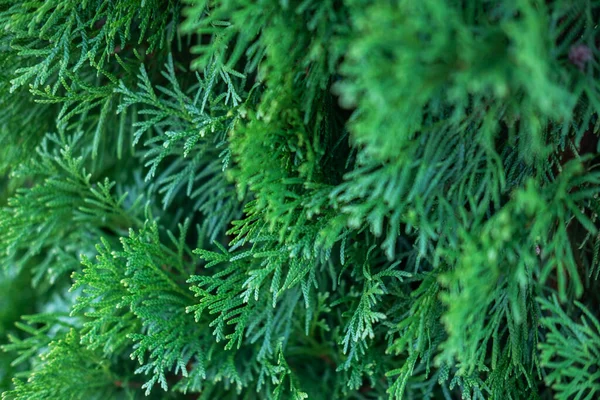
299	199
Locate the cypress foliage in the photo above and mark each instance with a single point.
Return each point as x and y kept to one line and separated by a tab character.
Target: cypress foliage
299	199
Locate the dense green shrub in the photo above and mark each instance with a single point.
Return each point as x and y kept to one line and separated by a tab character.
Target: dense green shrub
291	199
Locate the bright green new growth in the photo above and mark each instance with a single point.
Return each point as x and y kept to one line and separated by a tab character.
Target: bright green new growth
312	199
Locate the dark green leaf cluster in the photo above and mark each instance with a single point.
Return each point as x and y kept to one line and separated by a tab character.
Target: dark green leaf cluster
299	199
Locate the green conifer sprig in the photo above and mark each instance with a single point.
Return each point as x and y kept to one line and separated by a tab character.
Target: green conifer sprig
572	359
299	199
